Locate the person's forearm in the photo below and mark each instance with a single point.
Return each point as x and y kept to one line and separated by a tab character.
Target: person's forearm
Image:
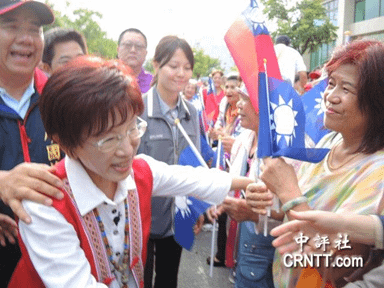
290	194
303	78
359	228
2	175
240	183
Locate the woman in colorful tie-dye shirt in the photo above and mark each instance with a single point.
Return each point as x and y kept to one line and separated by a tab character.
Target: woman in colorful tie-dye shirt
351	177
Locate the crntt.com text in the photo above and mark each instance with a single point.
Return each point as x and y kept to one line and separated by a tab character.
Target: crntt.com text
322	259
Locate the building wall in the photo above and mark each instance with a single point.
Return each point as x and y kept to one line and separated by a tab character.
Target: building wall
366	29
371	28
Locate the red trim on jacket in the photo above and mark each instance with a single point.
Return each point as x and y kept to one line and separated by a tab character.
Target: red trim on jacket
40	80
25	274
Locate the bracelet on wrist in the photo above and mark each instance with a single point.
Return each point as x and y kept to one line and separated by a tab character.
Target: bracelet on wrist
294	202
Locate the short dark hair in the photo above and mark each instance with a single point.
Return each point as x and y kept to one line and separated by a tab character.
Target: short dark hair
78	99
283	39
368	57
167	47
134	30
61	35
215	71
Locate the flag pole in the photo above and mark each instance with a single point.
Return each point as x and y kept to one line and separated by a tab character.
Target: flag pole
193	147
270	136
219	147
201	160
212	247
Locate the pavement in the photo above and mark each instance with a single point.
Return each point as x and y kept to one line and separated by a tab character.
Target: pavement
194	270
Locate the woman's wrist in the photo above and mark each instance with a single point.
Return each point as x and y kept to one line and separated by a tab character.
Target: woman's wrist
288	195
293	203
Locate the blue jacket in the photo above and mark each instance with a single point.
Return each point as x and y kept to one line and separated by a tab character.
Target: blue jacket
40	149
36	148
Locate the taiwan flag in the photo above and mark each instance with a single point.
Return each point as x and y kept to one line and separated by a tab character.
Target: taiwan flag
250	45
281	112
282	123
188	209
211	104
314	108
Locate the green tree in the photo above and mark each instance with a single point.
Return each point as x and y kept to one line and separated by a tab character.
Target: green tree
85	21
306	23
204	63
149	66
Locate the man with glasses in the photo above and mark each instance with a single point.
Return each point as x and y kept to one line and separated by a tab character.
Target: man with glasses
132	50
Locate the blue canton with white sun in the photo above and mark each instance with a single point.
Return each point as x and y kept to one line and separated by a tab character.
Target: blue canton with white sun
314	108
286	116
253	16
282	118
182	204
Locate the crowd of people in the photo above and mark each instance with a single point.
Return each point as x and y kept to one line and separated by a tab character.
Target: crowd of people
89	159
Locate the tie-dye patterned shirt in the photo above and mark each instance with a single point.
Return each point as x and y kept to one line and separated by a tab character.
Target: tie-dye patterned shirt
357	187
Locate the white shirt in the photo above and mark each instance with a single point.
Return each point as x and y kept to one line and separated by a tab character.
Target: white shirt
53	245
20	106
290	62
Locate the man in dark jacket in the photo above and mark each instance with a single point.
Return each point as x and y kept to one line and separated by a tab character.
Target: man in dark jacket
22	135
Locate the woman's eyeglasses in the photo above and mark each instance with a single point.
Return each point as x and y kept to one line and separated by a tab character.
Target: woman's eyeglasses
111	143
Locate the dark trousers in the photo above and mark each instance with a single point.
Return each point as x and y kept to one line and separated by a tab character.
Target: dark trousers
9	257
165	254
221	237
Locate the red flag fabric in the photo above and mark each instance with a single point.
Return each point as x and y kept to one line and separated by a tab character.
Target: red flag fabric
212	103
250	44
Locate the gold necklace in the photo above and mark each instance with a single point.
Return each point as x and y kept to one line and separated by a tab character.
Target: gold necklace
343	164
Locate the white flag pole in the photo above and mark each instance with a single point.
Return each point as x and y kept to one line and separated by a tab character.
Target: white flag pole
193	147
212	247
219	147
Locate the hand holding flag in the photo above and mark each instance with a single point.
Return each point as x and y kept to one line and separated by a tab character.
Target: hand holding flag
281	113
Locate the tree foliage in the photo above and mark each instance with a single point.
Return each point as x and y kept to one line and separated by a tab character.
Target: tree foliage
204	64
300	23
85	21
148	65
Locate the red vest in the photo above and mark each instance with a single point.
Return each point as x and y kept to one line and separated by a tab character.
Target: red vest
25	274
